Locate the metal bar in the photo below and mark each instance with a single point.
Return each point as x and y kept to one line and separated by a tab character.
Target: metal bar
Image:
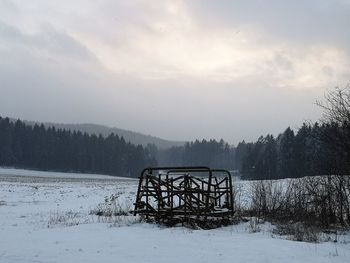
208	193
138	194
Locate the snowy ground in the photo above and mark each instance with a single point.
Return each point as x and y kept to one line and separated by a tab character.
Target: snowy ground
52	176
45	218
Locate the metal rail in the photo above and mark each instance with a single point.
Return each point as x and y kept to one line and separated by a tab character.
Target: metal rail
179	194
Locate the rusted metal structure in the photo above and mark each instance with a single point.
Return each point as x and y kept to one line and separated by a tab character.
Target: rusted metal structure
189	195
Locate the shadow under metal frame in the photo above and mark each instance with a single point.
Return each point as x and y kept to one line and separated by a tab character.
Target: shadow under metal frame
173	195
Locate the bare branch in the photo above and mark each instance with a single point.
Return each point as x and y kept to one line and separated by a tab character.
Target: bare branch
336	105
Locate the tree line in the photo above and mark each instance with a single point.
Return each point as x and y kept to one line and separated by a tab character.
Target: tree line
37	147
314	149
210	153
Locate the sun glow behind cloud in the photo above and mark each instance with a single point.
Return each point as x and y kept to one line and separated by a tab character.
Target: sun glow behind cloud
171	44
160	40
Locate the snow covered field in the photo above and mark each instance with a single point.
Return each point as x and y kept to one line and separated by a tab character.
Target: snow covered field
44	217
9	172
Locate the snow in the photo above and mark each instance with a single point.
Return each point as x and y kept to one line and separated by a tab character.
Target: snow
30	231
32	173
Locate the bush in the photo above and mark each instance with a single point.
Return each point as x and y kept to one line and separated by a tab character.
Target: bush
112	207
69	218
323	201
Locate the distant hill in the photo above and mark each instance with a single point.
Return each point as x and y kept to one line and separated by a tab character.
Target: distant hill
129	136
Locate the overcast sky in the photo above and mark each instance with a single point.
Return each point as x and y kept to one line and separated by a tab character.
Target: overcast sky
175	69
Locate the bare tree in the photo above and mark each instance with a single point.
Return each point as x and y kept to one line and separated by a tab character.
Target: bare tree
337	105
336	117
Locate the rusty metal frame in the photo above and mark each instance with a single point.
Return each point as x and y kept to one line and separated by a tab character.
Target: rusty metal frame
181	194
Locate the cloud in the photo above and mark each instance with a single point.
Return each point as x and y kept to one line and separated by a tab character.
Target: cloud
298	21
173	39
232	69
48	41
